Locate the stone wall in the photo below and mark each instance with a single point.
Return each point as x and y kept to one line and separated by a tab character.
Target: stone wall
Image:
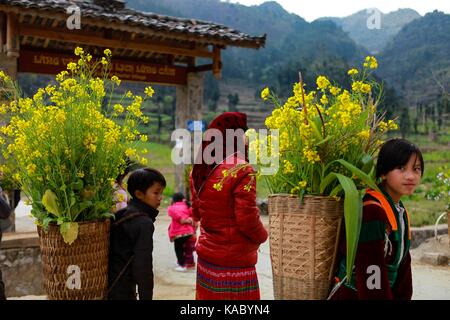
419	235
20	262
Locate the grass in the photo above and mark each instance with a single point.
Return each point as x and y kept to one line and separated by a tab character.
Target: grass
436	154
159	158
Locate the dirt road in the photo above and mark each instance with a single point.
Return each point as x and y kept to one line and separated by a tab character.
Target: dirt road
429	282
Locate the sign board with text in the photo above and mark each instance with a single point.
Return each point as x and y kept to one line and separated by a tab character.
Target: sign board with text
54	63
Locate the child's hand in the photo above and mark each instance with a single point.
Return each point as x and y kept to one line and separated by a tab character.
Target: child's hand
187	221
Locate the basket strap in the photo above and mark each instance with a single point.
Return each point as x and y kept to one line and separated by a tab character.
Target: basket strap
118	222
120	275
129	217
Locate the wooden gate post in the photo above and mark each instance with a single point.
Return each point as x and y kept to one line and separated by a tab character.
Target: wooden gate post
188	107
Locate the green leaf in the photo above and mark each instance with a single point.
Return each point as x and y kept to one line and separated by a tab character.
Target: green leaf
326	181
367	163
362	175
353	217
315	125
50	202
323	141
107	215
46	222
336	190
77	185
80	207
69	231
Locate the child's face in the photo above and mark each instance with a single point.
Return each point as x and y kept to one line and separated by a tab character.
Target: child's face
152	196
404	179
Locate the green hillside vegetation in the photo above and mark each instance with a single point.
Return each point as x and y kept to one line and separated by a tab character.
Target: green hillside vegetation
290	39
416	62
374	40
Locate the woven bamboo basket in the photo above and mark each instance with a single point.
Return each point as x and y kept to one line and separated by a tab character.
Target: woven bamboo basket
303	245
89	252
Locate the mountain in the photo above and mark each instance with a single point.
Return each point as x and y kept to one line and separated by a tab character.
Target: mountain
412	50
291	41
363	29
416	62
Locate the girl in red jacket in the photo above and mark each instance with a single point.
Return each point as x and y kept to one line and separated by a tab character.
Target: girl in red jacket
230	227
382	267
181	229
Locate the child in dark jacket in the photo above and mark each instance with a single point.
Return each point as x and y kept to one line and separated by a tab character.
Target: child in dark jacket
131	239
181	229
382	268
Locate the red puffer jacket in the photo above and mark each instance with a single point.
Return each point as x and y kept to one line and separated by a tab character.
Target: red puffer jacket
230	227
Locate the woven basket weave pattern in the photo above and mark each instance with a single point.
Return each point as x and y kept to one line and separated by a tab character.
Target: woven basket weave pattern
303	245
89	252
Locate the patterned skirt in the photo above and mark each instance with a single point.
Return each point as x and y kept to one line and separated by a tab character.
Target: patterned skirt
226	283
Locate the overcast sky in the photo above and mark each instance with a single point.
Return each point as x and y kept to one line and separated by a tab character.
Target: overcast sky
313	9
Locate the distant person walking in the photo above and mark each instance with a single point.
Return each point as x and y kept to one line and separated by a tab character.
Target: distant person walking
181	229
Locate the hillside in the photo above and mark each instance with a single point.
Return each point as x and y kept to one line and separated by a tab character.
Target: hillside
374	39
289	37
417	63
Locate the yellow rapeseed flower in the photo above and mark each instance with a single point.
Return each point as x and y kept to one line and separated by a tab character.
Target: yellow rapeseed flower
149	91
365	134
118	108
265	93
391	125
352	72
302	184
31	168
72	66
371	62
4	76
335	91
311	155
322	83
79	51
288	167
130	152
359	86
218	186
116	80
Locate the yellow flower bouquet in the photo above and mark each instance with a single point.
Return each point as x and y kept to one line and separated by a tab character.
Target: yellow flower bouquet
327	142
66	145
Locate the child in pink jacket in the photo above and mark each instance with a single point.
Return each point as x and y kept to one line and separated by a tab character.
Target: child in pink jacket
181	228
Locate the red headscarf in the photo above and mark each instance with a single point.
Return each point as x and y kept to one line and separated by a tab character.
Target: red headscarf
227	120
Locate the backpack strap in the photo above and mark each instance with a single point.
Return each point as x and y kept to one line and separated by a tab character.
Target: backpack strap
386	206
409	223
